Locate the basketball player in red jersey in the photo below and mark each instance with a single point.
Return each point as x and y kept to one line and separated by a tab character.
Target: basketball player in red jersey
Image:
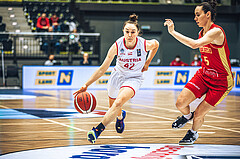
127	76
214	78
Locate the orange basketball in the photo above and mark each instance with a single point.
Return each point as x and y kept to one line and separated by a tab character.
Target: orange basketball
85	102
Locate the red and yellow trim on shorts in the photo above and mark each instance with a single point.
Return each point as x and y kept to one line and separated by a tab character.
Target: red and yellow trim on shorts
223	57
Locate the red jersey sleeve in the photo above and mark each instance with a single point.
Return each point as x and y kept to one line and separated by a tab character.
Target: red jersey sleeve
38	23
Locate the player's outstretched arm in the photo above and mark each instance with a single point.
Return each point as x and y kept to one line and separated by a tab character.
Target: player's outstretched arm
152	47
100	71
209	37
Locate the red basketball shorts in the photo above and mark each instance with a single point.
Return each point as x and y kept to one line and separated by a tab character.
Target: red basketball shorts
215	90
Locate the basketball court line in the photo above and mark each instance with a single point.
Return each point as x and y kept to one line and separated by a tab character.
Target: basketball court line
127	122
109	137
4	107
148	115
142	130
170	110
114	137
176	111
52	121
112	130
222	128
154	116
72	127
223	118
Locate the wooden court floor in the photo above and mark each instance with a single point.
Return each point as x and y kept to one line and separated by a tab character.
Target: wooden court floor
149	117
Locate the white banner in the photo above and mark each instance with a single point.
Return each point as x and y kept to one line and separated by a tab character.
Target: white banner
73	77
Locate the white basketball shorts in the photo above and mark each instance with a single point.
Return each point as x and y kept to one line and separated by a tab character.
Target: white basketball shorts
118	80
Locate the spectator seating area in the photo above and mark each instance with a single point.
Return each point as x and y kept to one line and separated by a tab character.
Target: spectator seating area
199	1
67	21
156	2
4	38
33	11
26	45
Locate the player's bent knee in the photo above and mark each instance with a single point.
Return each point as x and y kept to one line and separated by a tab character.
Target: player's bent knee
118	102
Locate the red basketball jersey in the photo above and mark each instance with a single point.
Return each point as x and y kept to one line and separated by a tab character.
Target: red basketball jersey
215	59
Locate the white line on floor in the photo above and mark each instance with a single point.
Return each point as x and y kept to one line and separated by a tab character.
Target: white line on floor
49	120
219	128
107	130
109	137
55	122
96	122
154	116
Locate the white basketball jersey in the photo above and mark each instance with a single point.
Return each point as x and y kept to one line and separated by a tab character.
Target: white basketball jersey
131	61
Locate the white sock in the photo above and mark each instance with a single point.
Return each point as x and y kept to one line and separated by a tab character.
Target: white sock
188	116
193	131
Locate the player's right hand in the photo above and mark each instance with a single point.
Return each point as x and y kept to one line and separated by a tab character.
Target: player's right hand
82	89
170	24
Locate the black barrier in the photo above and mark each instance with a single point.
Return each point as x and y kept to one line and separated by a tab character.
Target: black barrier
39	45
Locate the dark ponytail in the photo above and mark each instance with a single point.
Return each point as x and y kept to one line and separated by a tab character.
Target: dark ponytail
133	19
211	6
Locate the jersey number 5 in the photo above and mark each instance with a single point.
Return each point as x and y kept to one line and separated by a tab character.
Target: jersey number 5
205	58
129	65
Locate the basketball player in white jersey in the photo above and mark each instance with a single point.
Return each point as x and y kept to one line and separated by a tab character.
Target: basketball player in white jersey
126	77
